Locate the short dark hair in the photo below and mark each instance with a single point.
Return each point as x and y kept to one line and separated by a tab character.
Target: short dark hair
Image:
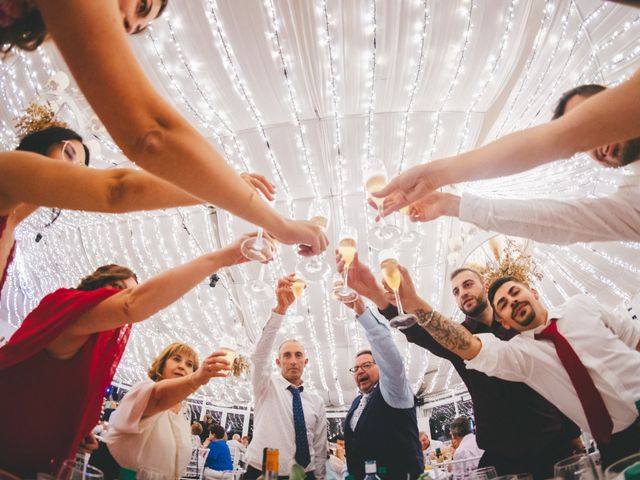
460	427
493	288
586	90
105	275
364	352
217	431
41	141
458	271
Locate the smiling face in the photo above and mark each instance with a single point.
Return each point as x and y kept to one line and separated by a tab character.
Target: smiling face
178	365
292	360
469	292
518	307
614	155
137	14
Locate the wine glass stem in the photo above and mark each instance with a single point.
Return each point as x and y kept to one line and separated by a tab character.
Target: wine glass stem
259	236
261	274
346	277
383	222
398	302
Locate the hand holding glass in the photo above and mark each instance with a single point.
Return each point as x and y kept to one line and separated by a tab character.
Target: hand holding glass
392	276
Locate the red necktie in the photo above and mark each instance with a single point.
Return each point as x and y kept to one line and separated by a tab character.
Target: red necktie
594	408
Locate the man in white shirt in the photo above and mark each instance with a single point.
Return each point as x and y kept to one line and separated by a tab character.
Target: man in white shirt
615	217
236	447
287	415
580	356
467	454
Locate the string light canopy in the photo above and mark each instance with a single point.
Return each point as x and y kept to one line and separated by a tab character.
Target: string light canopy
314	95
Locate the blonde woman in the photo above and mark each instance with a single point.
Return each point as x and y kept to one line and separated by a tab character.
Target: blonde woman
151	430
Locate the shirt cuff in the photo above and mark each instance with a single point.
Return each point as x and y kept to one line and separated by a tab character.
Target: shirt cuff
486	360
474	209
368	320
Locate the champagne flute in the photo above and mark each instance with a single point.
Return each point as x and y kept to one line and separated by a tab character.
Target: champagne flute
258	288
78	470
298	287
410	237
392	276
347	248
259	248
383	233
315	268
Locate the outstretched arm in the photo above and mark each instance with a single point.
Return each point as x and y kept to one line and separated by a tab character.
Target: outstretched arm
147	129
34	179
610	116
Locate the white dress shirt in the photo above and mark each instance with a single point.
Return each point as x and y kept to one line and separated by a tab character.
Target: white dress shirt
160	443
605	343
273	412
468	449
616	217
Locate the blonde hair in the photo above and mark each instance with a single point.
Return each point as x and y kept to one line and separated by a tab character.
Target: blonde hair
155	371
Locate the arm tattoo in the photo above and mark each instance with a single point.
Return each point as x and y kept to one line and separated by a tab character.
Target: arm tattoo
450	335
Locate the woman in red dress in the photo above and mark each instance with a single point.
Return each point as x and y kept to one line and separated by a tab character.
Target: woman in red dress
56	366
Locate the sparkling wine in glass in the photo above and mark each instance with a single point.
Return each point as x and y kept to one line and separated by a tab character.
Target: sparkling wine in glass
297	287
383	233
316	268
391	274
347	248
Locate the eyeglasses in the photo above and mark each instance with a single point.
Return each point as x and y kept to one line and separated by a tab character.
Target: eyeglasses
365	366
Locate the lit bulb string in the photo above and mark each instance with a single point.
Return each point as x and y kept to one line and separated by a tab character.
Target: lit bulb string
228	56
556	284
543	31
432	385
333	91
615	261
592	56
326	307
605	44
286	68
554	262
488	79
550	93
313	335
460	57
612	61
550	62
369	122
217	113
414	84
9	77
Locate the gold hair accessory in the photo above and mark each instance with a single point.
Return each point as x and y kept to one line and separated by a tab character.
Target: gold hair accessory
240	365
512	261
37	117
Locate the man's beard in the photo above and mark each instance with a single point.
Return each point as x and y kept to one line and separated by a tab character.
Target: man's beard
630	152
481	304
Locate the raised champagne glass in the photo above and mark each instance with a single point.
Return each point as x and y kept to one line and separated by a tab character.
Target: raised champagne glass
392	276
297	287
410	237
316	268
347	249
383	234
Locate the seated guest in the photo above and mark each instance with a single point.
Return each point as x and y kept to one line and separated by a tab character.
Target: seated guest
428	445
466	448
579	355
71	344
150	429
245	441
219	457
196	430
236	447
337	463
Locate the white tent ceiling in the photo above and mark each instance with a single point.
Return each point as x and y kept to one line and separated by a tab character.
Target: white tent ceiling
313	94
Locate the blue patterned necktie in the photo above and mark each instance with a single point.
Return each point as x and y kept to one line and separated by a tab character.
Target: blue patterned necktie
302	444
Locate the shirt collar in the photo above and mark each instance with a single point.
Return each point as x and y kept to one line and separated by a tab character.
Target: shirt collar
284	383
553	312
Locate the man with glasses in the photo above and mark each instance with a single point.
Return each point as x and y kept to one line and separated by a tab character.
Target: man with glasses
381	424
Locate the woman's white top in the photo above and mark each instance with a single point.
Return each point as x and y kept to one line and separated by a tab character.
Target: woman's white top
160	443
